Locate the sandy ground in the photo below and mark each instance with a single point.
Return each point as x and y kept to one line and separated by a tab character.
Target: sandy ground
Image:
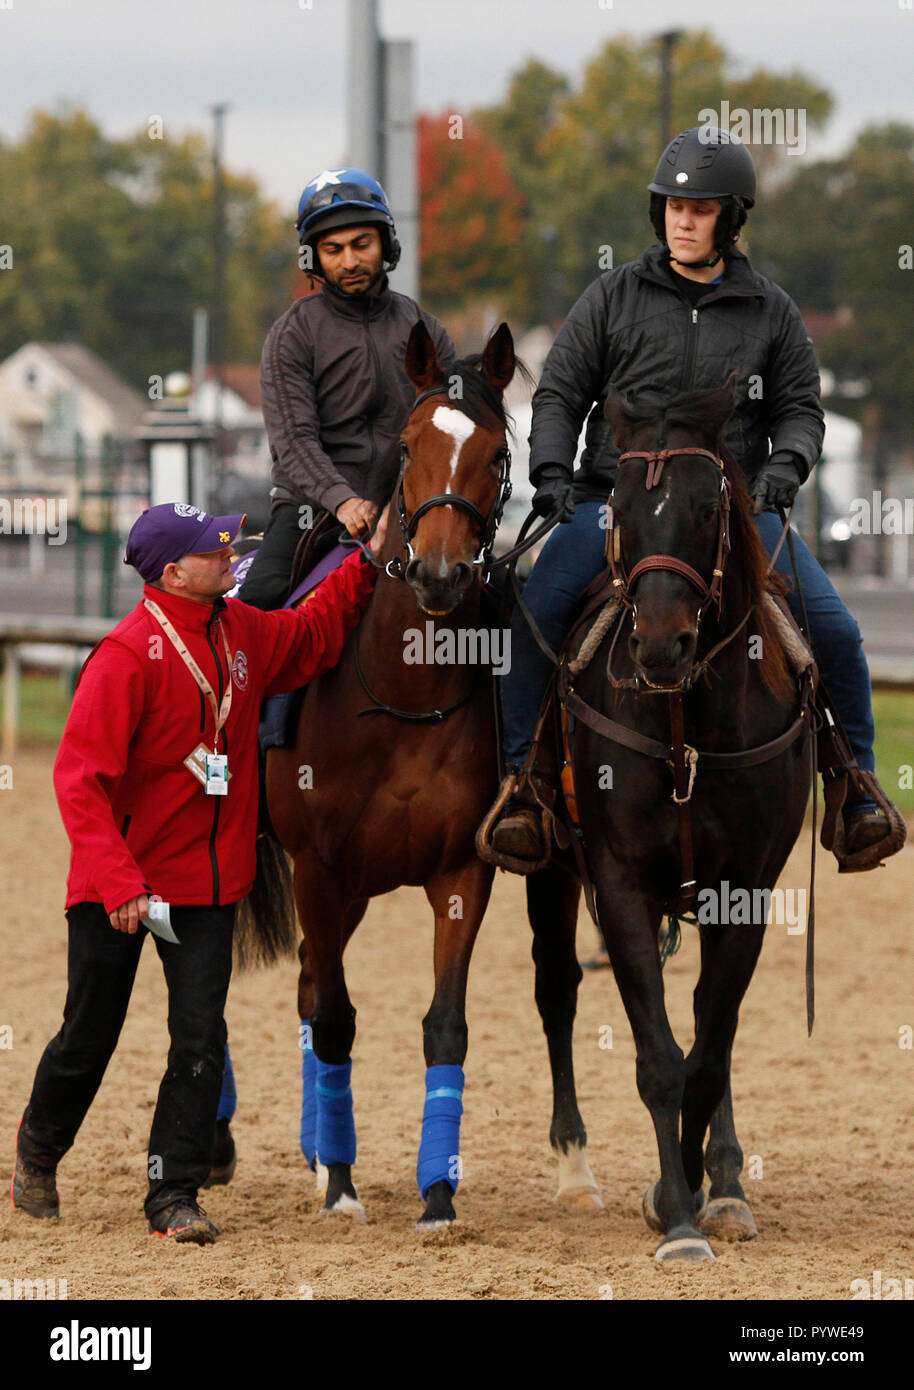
825	1123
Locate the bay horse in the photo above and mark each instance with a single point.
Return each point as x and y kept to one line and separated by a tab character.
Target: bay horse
694	629
395	763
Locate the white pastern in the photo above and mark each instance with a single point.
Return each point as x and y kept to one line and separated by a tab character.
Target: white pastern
321	1177
346	1206
576	1182
459	426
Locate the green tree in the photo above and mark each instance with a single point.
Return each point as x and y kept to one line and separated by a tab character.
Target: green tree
593	149
112	245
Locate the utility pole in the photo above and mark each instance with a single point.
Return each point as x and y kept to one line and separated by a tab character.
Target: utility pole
382	127
667	42
217	318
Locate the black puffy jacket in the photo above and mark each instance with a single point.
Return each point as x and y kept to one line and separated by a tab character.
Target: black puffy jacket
633	330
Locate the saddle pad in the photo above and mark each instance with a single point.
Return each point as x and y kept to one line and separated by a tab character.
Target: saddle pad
331	561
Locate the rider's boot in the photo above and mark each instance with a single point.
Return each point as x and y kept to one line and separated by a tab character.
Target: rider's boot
513	834
519	829
861	826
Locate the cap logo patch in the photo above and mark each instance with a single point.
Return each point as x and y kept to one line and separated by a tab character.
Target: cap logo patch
682	177
185	509
225	536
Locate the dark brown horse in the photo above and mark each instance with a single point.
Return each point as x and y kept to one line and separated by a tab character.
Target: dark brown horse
671	516
395	763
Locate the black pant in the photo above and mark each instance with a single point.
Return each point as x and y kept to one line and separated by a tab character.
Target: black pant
267	582
101	967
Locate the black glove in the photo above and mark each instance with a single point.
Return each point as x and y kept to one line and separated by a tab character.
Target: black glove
553	485
778	482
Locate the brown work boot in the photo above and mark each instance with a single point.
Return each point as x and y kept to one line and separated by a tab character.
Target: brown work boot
864	838
863	829
34	1190
513	834
519	831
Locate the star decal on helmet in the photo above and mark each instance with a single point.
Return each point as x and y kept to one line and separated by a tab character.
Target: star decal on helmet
324	177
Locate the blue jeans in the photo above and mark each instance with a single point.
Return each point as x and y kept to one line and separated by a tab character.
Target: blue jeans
573	556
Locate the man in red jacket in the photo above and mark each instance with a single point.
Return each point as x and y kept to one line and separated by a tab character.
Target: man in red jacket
157	781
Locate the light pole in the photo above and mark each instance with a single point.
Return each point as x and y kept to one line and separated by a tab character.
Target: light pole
217	327
667	42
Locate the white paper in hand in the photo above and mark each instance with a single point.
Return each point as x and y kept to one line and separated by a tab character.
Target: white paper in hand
158	920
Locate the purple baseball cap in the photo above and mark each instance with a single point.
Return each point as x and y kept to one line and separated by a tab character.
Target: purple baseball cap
164	534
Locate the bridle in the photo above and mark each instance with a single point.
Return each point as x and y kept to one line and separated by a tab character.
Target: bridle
487	525
710	593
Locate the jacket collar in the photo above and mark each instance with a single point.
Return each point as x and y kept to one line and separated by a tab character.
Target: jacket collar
186	614
360	307
740	280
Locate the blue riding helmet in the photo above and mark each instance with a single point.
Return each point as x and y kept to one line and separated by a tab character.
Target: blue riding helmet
346	198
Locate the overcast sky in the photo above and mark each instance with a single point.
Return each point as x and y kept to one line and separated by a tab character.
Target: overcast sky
282	65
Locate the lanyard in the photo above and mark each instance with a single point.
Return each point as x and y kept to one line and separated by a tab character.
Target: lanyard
219	714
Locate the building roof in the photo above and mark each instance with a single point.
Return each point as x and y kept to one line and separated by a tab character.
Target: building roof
241	377
126	402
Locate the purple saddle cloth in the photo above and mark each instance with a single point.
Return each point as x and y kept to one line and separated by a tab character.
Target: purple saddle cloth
331	561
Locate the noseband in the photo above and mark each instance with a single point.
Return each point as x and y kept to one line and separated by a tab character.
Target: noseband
710	593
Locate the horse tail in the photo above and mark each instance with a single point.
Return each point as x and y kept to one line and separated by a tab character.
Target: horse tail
266	927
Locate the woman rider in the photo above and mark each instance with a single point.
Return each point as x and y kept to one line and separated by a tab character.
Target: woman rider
680	318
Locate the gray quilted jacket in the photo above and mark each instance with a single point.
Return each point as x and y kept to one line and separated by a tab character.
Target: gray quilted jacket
632	329
334	393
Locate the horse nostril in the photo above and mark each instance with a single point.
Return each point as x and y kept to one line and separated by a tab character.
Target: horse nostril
415	572
462	575
634	646
687	642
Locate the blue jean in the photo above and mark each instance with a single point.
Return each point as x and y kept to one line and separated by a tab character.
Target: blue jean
573	556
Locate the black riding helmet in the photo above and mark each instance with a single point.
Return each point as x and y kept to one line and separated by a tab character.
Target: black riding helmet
705	162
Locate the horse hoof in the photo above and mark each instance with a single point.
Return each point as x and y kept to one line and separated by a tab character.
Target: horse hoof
684	1250
650	1211
582	1199
346	1206
577	1186
423	1227
728	1218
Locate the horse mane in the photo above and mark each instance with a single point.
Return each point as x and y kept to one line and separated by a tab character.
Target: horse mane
702	412
476	394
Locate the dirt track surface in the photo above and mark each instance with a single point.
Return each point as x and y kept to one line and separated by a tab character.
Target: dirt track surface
826	1123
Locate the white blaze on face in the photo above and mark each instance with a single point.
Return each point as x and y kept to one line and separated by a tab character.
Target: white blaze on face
459	427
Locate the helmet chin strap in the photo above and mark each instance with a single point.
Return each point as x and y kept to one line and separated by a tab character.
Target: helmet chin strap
697	265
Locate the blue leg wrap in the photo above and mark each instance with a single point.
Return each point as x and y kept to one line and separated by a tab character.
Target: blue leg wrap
229	1097
335	1124
308	1092
439	1152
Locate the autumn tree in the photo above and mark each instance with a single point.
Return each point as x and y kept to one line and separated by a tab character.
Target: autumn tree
472	214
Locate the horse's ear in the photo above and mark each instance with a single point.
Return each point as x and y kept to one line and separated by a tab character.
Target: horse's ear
421	361
498	359
618	411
